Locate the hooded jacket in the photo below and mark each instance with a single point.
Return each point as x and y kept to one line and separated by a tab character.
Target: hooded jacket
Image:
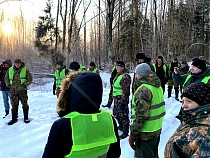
192	137
3	71
80	92
143	98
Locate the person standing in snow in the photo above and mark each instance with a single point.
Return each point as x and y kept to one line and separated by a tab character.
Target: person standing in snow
84	130
121	93
60	74
93	68
5	90
191	138
148	111
18	78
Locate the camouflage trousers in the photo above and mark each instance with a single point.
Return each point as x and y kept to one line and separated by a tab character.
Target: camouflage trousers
120	110
171	83
19	96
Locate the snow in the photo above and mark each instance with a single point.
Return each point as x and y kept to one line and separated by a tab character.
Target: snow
22	140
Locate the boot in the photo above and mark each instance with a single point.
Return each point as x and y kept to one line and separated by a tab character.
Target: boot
169	91
125	131
177	93
120	127
7	112
25	113
14	117
108	104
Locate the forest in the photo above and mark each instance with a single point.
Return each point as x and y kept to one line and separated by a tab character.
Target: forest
106	30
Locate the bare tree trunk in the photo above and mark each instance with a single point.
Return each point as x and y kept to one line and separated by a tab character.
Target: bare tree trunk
56	25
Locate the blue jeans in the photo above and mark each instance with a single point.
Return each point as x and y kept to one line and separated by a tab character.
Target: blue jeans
6	96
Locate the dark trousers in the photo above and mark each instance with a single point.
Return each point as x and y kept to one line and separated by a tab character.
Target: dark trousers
19	96
147	148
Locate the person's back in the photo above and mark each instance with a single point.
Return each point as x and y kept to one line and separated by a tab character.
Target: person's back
80	107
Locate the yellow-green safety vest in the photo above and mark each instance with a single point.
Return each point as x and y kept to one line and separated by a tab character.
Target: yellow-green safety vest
59	77
117	89
164	68
157	109
94	70
92	134
204	80
22	75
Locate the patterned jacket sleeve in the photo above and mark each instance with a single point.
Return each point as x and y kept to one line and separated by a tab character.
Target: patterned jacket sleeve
125	83
142	100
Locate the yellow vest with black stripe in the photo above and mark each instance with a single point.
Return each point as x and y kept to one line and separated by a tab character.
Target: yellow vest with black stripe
59	77
157	109
117	89
22	75
92	134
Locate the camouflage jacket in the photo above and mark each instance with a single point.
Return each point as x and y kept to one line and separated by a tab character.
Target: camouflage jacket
16	85
125	84
143	98
192	137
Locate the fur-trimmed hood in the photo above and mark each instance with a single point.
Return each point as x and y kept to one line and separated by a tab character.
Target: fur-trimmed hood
81	92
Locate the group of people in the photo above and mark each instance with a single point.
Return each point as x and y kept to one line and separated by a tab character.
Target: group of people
14	81
86	130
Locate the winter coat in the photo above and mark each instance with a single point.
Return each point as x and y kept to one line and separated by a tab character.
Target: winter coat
16	86
3	86
125	84
184	70
70	99
143	101
161	73
192	137
172	65
180	79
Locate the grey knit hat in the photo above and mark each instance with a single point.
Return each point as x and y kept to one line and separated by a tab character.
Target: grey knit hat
142	69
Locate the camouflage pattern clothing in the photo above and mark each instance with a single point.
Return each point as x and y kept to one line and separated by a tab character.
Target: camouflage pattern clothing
192	137
18	90
120	110
142	106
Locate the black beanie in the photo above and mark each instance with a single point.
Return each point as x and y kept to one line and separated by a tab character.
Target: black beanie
199	92
199	64
74	66
92	63
120	63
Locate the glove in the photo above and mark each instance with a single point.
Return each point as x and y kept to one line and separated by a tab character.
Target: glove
132	140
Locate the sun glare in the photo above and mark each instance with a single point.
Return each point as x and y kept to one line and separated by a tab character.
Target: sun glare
7	29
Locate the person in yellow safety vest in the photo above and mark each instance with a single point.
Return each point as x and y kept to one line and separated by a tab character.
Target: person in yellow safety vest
60	74
161	70
148	111
198	73
84	131
18	78
93	68
121	93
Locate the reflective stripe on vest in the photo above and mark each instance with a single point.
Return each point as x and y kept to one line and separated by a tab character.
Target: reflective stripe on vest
22	75
92	134
117	89
157	109
59	77
204	80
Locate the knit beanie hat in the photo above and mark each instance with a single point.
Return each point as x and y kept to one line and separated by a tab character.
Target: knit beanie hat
199	92
140	55
120	63
74	66
142	69
8	61
59	63
199	64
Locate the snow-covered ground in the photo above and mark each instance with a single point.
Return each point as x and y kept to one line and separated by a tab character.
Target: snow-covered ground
28	140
